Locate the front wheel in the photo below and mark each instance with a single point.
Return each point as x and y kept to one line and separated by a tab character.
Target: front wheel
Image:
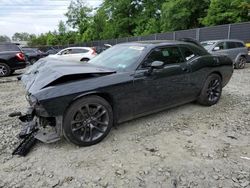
88	121
211	91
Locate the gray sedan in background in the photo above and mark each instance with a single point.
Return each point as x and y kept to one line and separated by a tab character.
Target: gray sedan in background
235	49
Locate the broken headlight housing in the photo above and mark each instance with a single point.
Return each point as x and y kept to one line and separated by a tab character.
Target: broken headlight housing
31	99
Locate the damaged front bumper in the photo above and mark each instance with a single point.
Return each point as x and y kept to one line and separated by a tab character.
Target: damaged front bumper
35	127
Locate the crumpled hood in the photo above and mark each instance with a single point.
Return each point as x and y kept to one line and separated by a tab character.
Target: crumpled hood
47	70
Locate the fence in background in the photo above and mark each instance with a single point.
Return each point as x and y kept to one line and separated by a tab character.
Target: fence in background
239	31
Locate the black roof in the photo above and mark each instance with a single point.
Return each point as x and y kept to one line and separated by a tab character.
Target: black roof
155	42
8	43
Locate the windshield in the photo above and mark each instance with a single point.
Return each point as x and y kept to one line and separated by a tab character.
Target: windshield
207	45
118	57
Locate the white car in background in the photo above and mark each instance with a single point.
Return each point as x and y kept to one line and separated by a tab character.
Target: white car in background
75	54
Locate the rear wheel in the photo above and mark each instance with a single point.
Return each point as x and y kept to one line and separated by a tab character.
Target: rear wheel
32	61
241	63
211	91
85	59
88	121
4	70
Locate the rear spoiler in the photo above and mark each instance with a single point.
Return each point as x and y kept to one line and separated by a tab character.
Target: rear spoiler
191	40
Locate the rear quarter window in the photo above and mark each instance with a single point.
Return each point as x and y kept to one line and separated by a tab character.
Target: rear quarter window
79	51
240	45
231	45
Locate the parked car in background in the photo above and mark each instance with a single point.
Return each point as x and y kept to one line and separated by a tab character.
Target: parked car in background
33	54
100	49
83	101
76	54
235	49
248	48
51	51
11	58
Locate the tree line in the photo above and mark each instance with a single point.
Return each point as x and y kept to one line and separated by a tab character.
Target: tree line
125	18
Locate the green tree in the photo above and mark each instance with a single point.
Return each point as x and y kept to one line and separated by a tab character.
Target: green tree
62	28
21	36
182	14
227	11
121	16
78	15
148	20
4	38
98	26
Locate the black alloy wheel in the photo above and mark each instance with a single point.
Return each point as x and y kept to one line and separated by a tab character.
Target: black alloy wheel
214	90
211	91
88	121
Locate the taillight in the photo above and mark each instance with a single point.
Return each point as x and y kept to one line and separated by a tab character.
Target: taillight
20	56
94	51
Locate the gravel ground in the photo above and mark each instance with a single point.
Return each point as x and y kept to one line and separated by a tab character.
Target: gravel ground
188	146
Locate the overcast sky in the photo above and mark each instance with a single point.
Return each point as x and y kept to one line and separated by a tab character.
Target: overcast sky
33	16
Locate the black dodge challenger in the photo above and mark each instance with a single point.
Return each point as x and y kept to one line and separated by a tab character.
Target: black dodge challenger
83	101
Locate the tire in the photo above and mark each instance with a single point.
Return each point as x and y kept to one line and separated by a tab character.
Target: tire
4	70
32	61
241	63
87	121
211	91
85	59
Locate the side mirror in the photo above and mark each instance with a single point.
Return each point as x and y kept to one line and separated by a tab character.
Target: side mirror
157	65
217	48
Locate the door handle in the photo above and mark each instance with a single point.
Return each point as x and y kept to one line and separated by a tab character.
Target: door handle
185	69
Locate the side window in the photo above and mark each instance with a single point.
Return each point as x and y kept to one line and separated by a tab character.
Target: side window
79	51
240	45
220	46
231	45
67	51
187	53
168	55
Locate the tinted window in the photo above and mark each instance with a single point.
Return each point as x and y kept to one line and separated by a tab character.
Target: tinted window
231	45
28	51
168	55
240	45
119	57
9	47
187	53
207	45
221	45
78	51
65	52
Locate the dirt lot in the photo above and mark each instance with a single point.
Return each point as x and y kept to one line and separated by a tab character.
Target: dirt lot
188	146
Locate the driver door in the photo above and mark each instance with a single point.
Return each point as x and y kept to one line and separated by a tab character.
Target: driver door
161	88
